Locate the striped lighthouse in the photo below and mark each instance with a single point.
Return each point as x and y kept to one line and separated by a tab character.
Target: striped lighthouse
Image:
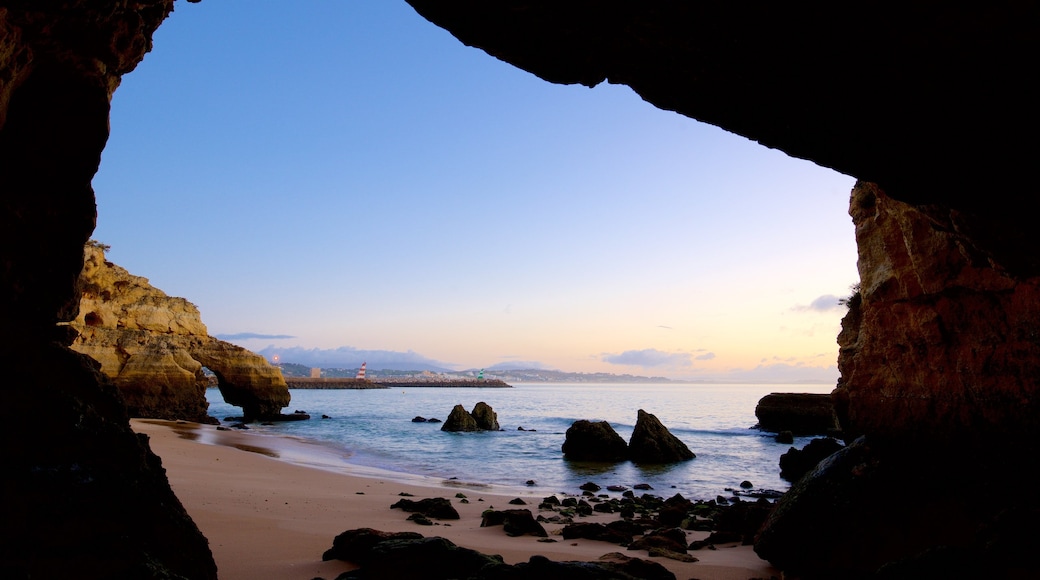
361	372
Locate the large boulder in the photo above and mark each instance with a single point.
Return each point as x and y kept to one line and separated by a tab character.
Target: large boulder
800	413
154	348
868	507
485	417
594	441
386	555
460	420
652	442
797	462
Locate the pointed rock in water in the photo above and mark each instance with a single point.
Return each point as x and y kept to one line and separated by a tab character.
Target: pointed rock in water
594	441
486	417
652	442
460	420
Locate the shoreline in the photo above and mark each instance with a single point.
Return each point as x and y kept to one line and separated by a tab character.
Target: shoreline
268	516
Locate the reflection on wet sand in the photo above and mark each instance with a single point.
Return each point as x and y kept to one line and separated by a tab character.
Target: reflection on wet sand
255	449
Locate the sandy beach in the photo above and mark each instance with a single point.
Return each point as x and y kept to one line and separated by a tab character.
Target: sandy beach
266	517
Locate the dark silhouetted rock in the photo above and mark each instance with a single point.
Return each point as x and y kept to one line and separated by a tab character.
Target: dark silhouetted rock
485	417
434	558
672	539
433	507
419	419
651	442
515	522
800	413
354	545
785	437
594	441
596	531
460	420
674	510
797	462
438	558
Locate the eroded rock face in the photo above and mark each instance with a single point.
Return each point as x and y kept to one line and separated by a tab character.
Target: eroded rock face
154	348
941	346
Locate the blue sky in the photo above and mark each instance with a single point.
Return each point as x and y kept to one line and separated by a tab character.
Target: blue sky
344	179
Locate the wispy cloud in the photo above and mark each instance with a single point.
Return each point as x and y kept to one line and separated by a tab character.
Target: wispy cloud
705	356
252	335
825	303
649	358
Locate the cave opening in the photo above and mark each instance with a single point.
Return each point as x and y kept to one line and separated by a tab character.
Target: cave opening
395	148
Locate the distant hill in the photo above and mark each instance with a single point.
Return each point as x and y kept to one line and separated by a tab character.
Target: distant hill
295	370
551	376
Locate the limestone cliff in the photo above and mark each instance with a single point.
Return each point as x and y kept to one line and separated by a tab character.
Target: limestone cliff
154	348
942	343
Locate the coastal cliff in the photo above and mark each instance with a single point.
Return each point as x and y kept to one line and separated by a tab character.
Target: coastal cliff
154	348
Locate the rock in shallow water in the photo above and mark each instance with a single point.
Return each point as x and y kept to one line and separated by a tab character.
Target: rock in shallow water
594	441
652	442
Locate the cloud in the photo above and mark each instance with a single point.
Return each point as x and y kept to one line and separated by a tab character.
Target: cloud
252	335
350	357
705	356
665	327
649	358
825	303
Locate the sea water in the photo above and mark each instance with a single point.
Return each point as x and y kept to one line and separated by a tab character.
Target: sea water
373	428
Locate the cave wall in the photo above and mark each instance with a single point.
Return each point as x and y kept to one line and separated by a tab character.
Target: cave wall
926	100
78	483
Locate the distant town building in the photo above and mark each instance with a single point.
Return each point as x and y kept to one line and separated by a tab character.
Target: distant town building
315	373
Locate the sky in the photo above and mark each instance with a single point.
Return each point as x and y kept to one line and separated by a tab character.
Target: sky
337	181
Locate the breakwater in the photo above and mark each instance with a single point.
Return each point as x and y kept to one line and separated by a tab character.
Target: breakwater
452	383
345	383
331	383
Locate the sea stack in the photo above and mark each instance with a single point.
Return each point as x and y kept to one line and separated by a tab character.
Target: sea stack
594	441
652	442
485	417
460	420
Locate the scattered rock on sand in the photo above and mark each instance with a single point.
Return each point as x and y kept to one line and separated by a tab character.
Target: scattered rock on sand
515	522
435	557
432	507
